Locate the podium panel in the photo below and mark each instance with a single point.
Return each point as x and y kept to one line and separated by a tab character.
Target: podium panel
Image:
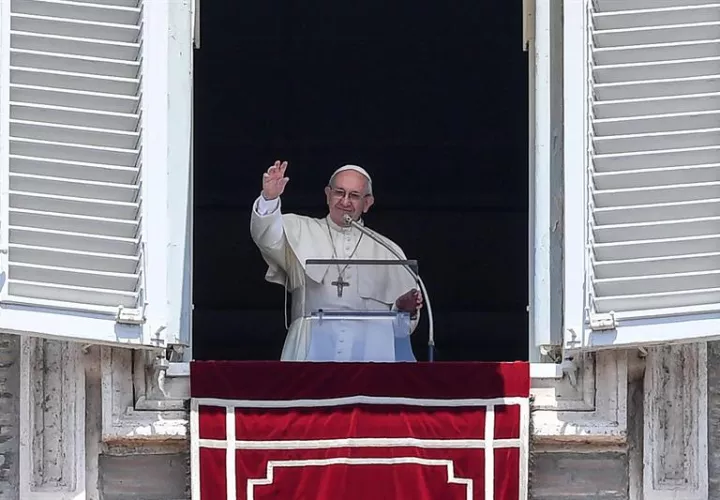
361	336
360	430
353	319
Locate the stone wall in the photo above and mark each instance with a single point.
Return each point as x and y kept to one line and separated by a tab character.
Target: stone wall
150	477
9	413
605	440
130	454
713	386
596	468
582	475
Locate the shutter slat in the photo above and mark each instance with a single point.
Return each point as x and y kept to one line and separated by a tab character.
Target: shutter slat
657	212
119	3
658	283
657	247
73	170
679	139
85	136
115	68
74	223
74	81
666	122
31	112
73	206
620	5
656	194
75	99
657	88
657	52
655	159
90	190
127	33
659	301
84	11
658	176
639	107
58	293
655	162
674	13
85	261
73	277
91	243
649	35
90	47
655	230
646	72
73	152
658	265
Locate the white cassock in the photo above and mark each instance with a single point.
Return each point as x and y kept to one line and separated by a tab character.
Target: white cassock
287	241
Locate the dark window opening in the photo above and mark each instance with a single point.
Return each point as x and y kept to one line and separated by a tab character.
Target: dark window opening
431	99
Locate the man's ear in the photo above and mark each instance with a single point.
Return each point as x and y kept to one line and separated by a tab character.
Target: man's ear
368	202
327	193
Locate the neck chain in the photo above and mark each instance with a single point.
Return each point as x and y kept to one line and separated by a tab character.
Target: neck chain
341	283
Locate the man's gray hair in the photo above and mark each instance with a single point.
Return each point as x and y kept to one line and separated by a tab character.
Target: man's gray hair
354	168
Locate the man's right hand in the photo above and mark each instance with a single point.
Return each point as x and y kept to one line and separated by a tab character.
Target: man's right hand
274	181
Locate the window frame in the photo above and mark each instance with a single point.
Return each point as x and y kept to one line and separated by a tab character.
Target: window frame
575	191
183	21
545	289
545	164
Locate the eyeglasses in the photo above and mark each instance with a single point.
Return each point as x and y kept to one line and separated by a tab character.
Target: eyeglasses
353	196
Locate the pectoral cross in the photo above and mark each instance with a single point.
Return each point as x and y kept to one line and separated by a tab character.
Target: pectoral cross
340	284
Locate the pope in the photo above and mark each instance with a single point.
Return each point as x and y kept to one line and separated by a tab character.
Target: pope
287	241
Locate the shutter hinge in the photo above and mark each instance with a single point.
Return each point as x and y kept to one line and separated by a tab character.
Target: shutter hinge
605	321
130	316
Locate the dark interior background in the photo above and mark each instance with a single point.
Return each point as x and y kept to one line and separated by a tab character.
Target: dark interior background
430	97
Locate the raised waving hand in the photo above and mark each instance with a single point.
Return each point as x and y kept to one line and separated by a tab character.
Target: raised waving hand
274	180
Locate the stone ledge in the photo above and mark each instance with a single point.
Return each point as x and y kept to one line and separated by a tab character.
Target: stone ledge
122	423
589	405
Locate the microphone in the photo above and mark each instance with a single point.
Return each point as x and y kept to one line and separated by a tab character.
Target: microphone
349	221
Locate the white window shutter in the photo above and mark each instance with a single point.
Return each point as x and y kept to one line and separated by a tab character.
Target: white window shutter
84	169
642	171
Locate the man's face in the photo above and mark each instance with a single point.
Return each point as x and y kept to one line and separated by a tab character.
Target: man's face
348	195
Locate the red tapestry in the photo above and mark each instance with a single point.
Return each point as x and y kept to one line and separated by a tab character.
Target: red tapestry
351	431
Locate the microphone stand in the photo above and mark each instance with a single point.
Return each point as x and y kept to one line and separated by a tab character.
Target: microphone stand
426	298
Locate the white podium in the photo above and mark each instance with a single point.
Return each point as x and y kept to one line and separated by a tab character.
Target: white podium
345	325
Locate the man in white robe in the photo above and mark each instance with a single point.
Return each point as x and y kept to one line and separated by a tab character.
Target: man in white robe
288	241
